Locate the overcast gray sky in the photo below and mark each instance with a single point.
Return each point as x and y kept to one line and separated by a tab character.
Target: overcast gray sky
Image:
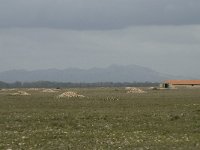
161	34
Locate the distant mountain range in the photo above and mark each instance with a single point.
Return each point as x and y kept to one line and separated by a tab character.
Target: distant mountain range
114	73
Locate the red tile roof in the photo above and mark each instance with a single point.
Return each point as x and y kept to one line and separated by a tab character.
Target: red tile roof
183	82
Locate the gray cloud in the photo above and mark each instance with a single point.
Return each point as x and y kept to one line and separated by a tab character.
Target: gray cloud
160	34
97	14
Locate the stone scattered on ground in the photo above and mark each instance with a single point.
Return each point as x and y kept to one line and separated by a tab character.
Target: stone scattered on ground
134	90
70	94
20	93
49	91
33	89
6	90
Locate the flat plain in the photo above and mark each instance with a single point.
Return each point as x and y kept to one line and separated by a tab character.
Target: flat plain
106	118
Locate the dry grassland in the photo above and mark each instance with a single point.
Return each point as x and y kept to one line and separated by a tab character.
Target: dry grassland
105	118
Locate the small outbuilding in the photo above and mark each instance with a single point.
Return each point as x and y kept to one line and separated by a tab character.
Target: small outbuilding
180	83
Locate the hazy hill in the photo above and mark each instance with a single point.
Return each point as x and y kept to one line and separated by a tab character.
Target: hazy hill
114	73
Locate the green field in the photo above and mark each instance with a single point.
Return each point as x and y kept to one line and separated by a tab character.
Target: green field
107	118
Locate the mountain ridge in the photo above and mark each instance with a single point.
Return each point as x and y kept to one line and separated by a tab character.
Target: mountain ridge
113	73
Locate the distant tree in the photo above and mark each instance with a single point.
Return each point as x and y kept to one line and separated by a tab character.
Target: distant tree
4	85
48	84
17	84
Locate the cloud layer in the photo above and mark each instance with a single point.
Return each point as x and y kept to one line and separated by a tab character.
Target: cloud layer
97	14
161	34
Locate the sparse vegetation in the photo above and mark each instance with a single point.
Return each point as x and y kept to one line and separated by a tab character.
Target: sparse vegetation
106	118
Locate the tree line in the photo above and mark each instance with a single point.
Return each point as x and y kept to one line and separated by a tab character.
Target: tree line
49	84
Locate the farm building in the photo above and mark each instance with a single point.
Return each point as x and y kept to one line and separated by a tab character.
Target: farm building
180	83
